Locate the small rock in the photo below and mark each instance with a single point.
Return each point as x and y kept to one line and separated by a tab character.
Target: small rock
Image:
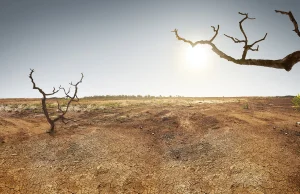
297	124
152	133
102	170
14	154
274	127
165	118
141	127
216	127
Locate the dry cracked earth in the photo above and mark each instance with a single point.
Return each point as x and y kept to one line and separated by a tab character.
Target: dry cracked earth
154	146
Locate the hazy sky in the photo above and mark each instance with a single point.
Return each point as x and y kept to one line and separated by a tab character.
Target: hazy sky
126	47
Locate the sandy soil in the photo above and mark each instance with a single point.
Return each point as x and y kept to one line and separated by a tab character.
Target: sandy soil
153	146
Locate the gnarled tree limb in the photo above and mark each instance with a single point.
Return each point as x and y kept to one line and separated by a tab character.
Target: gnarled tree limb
61	116
285	63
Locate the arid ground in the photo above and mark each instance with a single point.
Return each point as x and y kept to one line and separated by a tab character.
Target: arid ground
168	145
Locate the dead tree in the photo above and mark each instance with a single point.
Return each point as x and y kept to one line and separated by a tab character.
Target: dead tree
285	63
61	112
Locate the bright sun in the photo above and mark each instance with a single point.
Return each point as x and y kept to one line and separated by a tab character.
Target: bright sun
197	57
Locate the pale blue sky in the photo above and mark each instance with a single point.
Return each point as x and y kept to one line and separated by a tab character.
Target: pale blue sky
126	47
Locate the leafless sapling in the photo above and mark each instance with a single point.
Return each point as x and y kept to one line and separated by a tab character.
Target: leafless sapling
61	112
285	63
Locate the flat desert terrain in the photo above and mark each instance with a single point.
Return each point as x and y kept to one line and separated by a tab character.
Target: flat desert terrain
163	145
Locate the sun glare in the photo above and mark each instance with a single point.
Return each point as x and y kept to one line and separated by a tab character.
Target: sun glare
197	57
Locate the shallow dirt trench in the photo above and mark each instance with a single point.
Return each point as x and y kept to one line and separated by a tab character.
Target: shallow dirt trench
170	146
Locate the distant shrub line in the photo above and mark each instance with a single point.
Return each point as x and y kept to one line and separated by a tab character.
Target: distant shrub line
131	96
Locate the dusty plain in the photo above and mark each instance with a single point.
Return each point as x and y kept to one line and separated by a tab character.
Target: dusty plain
163	145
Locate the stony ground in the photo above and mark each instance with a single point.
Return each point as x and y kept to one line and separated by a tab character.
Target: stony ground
226	145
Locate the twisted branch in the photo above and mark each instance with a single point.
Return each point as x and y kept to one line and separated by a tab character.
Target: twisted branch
286	63
61	116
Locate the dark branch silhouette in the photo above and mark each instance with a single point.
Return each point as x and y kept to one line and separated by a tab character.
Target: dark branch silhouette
286	63
292	20
246	46
62	112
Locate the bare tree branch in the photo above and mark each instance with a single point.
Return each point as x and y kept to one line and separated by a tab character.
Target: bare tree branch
66	92
258	41
197	42
74	97
241	26
235	40
286	63
216	33
53	92
245	41
292	20
59	107
252	49
246	16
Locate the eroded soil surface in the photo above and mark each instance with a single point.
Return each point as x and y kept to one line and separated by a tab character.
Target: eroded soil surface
195	146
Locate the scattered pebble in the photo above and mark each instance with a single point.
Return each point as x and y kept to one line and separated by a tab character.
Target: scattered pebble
165	118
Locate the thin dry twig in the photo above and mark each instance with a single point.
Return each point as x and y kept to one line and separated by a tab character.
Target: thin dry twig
293	20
